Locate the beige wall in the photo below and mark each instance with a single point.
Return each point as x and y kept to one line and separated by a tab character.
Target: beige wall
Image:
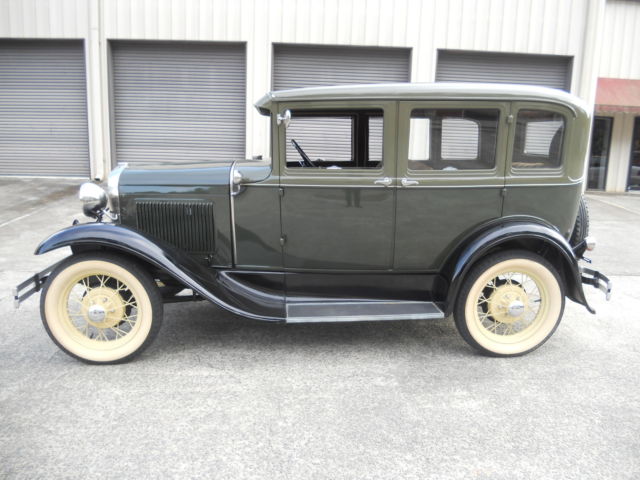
620	59
621	40
620	151
564	27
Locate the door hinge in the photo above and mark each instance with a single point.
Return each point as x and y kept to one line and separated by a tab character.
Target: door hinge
503	191
509	119
281	191
283	240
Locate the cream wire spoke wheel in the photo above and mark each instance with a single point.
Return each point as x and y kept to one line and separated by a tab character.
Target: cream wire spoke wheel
510	304
105	312
101	308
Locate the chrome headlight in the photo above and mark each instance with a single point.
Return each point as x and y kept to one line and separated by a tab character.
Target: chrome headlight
93	198
113	182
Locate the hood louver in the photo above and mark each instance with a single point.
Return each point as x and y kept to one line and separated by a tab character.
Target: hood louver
187	225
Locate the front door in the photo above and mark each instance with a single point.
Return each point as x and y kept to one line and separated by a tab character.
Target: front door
451	161
337	181
599	158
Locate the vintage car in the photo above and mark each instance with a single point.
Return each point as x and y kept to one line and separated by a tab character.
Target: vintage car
381	202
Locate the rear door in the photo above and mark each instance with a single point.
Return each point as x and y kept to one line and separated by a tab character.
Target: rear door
451	161
537	180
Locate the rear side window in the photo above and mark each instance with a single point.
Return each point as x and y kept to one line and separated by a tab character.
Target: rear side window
539	139
447	139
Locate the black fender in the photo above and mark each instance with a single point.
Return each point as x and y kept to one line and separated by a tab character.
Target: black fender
223	288
514	234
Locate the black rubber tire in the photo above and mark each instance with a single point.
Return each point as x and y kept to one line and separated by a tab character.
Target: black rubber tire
136	270
479	269
581	227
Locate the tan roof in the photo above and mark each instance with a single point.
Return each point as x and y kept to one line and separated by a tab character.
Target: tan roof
426	91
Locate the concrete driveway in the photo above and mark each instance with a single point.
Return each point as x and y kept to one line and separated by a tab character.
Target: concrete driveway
217	396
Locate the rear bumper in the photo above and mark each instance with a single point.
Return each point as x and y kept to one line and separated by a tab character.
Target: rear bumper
596	279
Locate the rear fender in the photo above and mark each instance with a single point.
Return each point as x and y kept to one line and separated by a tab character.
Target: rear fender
221	288
515	235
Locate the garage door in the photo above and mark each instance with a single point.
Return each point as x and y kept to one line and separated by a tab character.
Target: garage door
544	70
43	108
296	66
178	102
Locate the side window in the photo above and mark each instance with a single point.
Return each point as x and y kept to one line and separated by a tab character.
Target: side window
334	139
539	138
447	139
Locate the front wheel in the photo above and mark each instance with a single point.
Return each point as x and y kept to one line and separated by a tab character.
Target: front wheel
101	308
509	304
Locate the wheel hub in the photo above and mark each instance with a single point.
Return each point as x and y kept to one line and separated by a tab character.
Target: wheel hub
103	307
507	303
516	308
96	313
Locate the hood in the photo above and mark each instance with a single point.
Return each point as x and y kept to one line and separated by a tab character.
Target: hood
176	175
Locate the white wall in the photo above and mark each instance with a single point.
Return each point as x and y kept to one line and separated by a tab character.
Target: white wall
620	59
620	152
621	40
563	27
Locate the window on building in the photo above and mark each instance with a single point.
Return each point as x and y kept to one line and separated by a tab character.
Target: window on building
599	158
633	182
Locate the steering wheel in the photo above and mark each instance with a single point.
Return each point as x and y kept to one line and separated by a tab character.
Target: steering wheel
306	161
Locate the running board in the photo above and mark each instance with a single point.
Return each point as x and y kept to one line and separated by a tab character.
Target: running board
361	311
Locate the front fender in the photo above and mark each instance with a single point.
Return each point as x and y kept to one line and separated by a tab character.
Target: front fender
514	234
217	286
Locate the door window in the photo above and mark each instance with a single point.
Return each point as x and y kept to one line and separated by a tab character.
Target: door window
334	140
450	140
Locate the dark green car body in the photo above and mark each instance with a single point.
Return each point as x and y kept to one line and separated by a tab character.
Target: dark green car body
393	228
257	237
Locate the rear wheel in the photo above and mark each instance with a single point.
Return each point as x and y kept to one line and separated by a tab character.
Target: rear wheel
581	227
509	304
101	308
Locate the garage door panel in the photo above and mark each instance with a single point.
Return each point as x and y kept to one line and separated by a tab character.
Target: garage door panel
177	102
297	66
543	70
43	109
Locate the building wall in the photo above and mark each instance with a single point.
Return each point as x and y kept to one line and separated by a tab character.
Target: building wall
621	40
565	27
620	151
619	59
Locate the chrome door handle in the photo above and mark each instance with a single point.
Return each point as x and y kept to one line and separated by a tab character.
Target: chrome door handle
407	183
386	181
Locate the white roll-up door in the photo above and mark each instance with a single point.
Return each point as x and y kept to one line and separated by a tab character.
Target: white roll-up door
43	108
297	66
473	66
178	102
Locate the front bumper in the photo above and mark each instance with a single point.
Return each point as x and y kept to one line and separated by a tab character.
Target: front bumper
31	285
596	279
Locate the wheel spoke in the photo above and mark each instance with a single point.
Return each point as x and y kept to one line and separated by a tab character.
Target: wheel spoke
120	313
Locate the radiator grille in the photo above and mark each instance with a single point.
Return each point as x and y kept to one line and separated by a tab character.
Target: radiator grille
186	225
